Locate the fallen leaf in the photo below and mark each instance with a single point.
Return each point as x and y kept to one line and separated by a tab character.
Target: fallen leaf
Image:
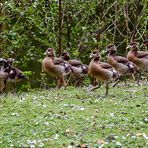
139	134
100	142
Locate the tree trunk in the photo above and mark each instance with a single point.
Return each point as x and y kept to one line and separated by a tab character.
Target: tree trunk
128	33
2	26
60	28
68	30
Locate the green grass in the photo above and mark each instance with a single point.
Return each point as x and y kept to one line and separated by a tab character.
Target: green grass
74	116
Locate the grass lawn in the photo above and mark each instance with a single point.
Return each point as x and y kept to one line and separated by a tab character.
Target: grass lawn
75	117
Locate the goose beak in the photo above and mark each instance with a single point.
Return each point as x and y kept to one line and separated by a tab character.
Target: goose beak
107	52
46	53
142	46
128	47
91	56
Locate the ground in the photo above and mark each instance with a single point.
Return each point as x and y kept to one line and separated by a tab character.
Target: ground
75	117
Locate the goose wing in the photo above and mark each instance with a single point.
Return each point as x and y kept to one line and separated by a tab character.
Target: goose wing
58	61
105	65
142	54
121	59
75	62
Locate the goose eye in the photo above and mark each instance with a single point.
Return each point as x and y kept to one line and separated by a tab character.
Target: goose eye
110	46
49	49
63	54
94	52
133	44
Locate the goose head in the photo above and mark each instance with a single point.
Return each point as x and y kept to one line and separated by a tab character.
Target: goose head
133	46
145	42
4	68
65	56
111	49
3	63
49	52
10	61
95	55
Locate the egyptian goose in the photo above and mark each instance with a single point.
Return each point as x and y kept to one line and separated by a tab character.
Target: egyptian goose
4	72
121	64
55	67
15	75
101	70
139	58
78	70
145	42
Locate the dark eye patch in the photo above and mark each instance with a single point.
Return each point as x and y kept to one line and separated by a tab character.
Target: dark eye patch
132	43
109	46
145	41
64	53
94	52
49	49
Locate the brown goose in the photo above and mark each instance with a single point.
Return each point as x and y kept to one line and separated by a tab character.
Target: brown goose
145	42
139	58
100	70
4	72
55	67
15	74
121	64
78	70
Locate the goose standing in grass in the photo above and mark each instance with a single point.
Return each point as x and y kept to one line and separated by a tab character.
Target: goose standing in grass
4	72
145	42
121	64
15	74
55	67
139	58
101	70
78	70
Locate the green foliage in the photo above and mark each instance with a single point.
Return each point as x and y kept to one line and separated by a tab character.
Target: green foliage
28	28
60	118
27	73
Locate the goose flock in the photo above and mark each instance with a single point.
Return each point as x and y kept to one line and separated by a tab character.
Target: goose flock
115	68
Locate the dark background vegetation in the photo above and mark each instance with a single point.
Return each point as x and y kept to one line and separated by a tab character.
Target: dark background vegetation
29	27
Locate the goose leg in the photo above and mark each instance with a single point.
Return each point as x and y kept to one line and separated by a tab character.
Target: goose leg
58	84
138	80
14	87
94	82
133	77
124	79
116	81
5	86
78	82
107	87
2	85
96	87
61	82
68	80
